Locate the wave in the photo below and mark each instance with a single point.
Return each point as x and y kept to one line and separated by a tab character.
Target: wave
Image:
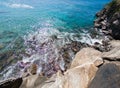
45	47
17	5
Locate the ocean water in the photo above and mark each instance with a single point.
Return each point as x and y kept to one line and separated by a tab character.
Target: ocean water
53	22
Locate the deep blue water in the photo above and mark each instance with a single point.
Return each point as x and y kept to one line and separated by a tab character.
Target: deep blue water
32	19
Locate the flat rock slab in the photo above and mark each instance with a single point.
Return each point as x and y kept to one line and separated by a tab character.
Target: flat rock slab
108	76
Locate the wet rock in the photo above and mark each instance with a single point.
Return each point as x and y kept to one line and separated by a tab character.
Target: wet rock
1	46
51	68
87	55
101	13
6	58
11	83
108	76
30	70
33	69
103	47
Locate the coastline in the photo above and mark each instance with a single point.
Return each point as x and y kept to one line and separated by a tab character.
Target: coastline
87	69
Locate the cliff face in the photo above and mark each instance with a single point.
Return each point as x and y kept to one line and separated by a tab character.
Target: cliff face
108	19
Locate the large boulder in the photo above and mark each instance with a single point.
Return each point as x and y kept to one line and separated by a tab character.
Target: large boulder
78	77
108	76
11	83
87	55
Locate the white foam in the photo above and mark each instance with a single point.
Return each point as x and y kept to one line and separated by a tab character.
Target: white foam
86	38
17	5
46	44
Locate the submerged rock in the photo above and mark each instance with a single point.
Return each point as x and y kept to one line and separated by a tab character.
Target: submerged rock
30	70
108	76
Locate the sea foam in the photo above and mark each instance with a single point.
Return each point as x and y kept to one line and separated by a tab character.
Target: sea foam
44	46
17	5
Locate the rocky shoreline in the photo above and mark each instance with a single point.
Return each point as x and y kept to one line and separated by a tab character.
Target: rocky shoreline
89	69
108	20
96	66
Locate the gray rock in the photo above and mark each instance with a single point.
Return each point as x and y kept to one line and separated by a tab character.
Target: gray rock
108	76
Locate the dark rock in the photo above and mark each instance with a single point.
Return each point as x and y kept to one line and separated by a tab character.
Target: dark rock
12	83
109	19
104	47
108	76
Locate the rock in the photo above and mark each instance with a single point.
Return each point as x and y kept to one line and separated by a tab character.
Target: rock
105	31
104	27
1	46
11	83
97	25
33	81
112	55
101	48
33	69
116	22
103	23
87	55
115	43
30	70
113	62
78	77
108	76
109	18
100	13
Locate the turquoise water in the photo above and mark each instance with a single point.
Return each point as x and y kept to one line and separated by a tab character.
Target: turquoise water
44	26
20	16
